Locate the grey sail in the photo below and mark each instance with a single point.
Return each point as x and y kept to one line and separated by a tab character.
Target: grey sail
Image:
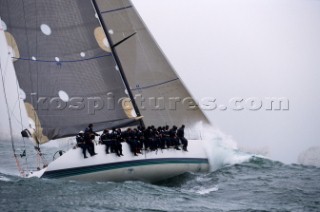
64	66
71	76
150	76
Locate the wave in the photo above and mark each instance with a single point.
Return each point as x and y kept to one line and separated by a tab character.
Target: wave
222	150
310	157
5	179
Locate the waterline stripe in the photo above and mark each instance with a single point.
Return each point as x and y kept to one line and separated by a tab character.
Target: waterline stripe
111	166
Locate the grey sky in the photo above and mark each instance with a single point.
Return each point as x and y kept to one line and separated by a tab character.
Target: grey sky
248	48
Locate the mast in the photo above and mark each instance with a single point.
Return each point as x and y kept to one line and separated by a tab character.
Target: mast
116	57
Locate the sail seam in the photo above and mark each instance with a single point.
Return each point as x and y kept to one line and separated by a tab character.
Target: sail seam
64	61
115	10
154	85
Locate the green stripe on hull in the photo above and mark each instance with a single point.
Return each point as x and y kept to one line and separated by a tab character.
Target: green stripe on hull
111	166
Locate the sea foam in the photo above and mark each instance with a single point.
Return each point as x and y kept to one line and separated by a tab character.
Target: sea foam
221	149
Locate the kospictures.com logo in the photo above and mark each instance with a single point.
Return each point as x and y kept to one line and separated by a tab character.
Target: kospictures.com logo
109	102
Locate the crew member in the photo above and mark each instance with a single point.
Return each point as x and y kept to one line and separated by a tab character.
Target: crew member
173	137
89	136
90	131
106	138
116	138
180	135
81	143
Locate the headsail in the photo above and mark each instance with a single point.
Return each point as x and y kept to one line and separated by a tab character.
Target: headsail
64	65
166	100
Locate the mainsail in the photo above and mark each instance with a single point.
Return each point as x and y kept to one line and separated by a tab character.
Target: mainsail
64	65
73	74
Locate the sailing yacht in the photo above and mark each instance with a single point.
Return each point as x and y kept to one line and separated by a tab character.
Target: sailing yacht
79	62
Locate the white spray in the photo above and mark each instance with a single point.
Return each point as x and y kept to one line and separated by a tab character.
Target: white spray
221	149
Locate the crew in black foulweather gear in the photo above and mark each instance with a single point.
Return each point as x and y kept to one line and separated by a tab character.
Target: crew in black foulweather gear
106	139
173	137
166	136
81	143
89	136
116	137
141	138
131	137
162	142
152	138
90	131
180	135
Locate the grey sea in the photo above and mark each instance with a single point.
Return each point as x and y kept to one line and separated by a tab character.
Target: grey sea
249	183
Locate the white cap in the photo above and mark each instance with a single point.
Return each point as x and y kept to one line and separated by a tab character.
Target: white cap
80	132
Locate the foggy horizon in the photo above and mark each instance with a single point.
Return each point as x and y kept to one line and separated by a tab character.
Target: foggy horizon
259	49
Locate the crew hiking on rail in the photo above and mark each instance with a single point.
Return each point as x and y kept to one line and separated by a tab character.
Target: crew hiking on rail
139	138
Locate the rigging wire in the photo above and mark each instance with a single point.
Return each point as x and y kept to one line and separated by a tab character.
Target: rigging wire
5	76
21	124
21	171
40	154
37	82
12	114
10	122
37	148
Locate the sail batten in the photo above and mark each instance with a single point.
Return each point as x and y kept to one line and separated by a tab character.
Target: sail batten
118	9
138	87
63	61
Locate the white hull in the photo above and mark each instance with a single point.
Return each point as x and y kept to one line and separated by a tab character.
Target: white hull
152	166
